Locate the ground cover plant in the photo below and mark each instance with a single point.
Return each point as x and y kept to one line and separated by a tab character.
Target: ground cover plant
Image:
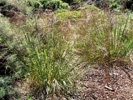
47	54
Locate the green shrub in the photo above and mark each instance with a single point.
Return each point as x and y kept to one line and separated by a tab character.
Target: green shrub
3	2
6	87
68	15
68	1
115	4
72	1
52	4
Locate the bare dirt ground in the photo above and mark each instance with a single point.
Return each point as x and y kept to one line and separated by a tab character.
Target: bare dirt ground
119	88
95	87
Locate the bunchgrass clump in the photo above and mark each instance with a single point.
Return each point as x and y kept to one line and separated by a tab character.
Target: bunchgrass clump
47	59
109	38
106	40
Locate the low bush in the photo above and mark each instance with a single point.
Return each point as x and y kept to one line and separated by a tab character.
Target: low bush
68	15
116	5
72	1
50	4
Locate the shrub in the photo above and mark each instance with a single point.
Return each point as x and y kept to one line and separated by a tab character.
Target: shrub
128	4
51	4
72	1
6	89
116	5
68	15
2	3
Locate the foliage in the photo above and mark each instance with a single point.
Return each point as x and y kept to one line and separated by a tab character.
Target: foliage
74	15
115	4
68	15
68	1
128	5
5	87
54	4
72	1
2	2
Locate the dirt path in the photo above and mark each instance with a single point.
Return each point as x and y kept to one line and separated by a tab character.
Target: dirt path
95	87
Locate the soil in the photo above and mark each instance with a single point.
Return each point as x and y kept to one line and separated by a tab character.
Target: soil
95	86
